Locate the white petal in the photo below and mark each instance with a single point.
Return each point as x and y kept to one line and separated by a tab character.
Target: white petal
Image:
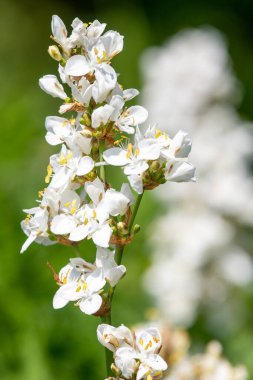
51	85
102	236
59	302
181	144
180	172
149	149
136	167
62	224
77	66
113	43
116	157
156	362
61	178
85	165
55	121
52	139
106	79
31	238
79	233
95	190
96	281
136	115
136	183
115	274
115	202
91	305
101	115
95	29
125	189
58	27
117	103
130	93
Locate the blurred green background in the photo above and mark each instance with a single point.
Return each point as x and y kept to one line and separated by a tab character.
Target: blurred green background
37	342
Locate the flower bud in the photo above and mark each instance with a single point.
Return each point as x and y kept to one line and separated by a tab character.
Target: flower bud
85	120
95	148
136	228
122	228
87	133
115	370
55	53
154	166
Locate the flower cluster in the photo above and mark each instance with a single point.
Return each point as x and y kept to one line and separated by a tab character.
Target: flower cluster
84	282
135	353
78	202
96	129
207	260
209	365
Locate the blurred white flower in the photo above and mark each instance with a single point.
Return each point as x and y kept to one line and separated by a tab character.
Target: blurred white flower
198	260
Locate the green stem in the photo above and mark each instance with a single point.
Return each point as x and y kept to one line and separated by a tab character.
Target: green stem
135	210
120	248
77	250
108	354
102	167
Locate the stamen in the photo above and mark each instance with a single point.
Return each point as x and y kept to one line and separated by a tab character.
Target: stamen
49	173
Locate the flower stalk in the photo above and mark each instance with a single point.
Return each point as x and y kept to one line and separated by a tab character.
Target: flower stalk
79	203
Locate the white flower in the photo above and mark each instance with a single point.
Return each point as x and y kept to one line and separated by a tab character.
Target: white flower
114	337
35	226
91	220
81	287
83	33
112	272
134	160
134	354
68	164
60	34
51	85
82	281
82	90
111	202
126	119
61	130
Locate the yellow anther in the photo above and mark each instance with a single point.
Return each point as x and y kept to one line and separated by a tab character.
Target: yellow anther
73	208
84	285
149	377
129	150
49	173
150	344
28	217
137	152
99	60
86	221
67	204
157	340
141	341
85	24
104	55
40	193
95	50
62	160
78	288
158	133
72	121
